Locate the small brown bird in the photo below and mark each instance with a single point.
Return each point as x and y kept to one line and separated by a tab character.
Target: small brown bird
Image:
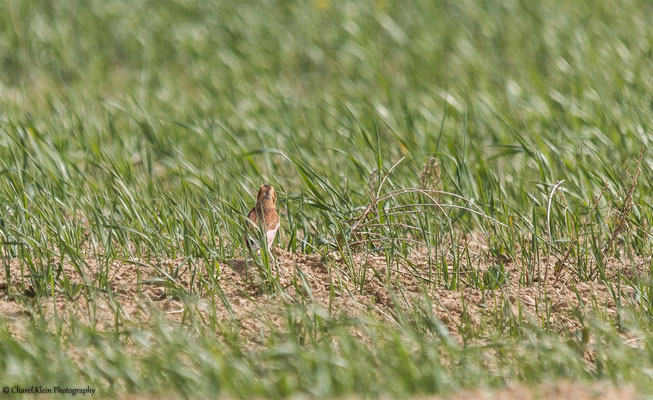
265	214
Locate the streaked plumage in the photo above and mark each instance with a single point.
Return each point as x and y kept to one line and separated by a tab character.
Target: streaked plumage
265	212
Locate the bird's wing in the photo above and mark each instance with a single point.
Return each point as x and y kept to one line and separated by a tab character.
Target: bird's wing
252	216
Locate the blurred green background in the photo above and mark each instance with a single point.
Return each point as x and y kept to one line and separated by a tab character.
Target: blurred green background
197	100
141	129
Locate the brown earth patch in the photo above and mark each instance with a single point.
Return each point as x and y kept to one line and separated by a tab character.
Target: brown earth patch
562	390
180	290
559	391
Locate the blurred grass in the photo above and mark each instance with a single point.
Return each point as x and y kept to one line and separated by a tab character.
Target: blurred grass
140	130
330	361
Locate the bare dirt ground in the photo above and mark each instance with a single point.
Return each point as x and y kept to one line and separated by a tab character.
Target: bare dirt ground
558	391
139	288
550	391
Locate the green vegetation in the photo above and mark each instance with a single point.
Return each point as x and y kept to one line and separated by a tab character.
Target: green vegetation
138	131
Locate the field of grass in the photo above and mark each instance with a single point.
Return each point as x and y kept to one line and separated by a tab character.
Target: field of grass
464	187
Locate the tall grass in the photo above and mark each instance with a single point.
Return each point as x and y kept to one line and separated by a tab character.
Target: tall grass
138	131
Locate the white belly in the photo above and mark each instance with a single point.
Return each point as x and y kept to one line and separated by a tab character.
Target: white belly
271	234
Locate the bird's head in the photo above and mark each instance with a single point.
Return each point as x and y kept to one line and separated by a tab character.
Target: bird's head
267	194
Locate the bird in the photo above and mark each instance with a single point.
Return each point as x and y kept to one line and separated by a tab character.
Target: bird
263	214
